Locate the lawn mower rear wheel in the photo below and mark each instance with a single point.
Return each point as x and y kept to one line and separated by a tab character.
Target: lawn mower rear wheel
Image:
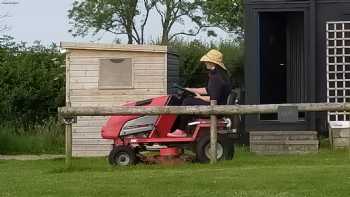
225	148
122	156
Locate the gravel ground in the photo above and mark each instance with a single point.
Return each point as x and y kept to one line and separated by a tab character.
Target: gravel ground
29	157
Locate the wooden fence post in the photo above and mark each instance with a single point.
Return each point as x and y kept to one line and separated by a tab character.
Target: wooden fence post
213	135
68	122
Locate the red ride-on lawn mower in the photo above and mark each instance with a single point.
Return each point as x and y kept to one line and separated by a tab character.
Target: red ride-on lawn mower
133	135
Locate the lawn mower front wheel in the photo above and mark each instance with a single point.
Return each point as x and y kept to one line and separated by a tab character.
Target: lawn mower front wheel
225	148
122	156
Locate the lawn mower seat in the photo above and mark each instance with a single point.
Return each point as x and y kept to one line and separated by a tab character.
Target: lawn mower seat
232	98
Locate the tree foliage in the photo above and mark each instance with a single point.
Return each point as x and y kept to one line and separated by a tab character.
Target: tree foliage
31	82
130	17
225	14
115	16
174	12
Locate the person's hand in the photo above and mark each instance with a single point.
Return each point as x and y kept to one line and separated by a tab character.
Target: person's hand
198	96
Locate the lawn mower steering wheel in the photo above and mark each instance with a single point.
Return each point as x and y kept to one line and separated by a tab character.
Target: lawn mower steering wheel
184	90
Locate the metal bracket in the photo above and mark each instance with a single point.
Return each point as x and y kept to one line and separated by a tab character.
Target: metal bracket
70	120
288	114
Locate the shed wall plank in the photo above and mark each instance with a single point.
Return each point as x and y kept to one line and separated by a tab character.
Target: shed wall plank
131	48
89	129
84	73
97	92
103	53
92	147
86	135
92	141
93	61
87	153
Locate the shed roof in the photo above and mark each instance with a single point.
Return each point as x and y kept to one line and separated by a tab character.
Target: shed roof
115	47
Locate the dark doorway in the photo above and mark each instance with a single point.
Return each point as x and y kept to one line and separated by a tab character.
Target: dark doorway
282	58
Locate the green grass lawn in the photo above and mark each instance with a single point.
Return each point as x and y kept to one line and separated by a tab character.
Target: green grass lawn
43	139
323	174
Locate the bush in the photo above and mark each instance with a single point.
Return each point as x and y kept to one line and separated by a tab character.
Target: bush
31	82
193	73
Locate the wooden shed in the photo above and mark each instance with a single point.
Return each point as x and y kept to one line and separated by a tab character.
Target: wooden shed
110	75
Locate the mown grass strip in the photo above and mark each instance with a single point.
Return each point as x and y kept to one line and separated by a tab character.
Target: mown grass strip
324	174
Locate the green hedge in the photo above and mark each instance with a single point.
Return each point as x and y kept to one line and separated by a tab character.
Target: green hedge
31	82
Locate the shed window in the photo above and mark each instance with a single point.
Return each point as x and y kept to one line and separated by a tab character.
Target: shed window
338	71
116	73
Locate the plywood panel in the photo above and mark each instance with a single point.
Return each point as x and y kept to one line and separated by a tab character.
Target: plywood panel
114	47
94	60
118	92
110	98
87	147
84	73
96	104
86	135
139	77
105	103
95	67
155	85
149	79
149	66
92	142
94	153
146	72
83	79
89	124
91	129
84	67
82	118
83	86
92	52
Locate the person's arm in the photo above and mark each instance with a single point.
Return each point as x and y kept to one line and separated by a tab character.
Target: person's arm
204	98
200	91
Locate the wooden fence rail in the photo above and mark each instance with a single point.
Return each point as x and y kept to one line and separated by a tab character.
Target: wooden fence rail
68	113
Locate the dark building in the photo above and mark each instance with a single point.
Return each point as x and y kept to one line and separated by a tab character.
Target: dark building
297	52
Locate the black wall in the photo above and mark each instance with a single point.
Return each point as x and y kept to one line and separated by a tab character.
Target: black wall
316	14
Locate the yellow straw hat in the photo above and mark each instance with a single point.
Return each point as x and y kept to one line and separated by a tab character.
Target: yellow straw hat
214	56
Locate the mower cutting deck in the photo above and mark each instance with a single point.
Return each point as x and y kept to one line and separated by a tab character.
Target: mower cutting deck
133	135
